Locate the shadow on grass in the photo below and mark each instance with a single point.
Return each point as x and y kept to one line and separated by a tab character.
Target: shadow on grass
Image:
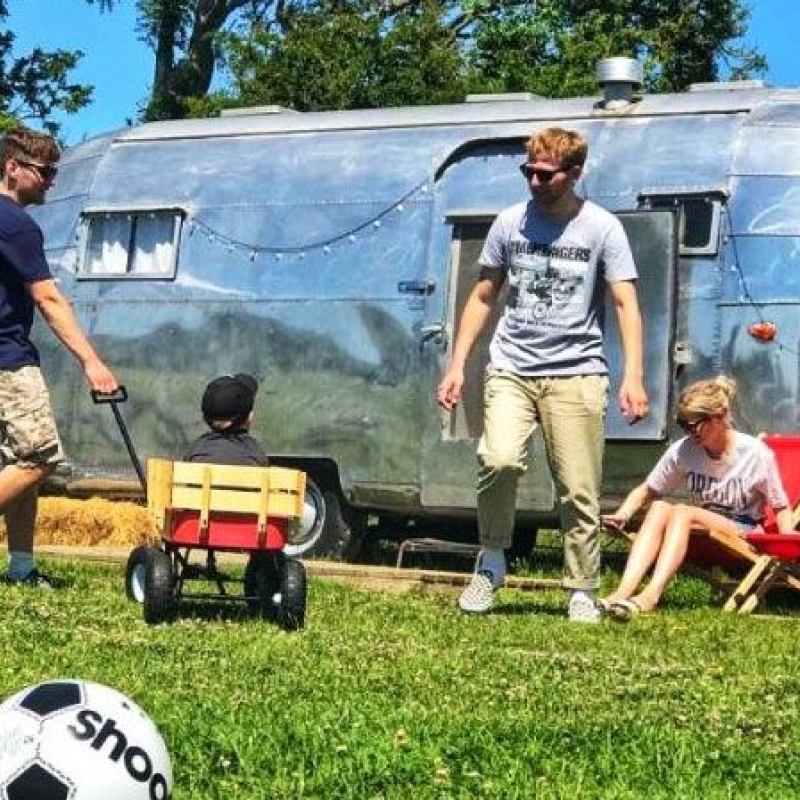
516	609
222	611
780	601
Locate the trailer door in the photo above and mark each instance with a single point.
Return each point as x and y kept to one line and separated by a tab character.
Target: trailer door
654	240
448	463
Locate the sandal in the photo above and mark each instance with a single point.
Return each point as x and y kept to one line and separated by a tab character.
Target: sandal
625	610
604	604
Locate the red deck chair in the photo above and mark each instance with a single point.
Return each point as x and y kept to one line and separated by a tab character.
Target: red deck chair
760	559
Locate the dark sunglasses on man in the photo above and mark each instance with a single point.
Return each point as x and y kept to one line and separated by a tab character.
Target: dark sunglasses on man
542	175
47	172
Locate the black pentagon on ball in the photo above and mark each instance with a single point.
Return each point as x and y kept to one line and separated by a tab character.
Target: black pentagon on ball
46	698
37	783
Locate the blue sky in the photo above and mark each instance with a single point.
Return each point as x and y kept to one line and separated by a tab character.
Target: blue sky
121	68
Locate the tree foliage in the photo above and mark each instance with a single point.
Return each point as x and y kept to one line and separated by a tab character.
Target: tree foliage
353	56
554	51
35	85
333	54
185	35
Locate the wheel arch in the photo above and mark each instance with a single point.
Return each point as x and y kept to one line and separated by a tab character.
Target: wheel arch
341	525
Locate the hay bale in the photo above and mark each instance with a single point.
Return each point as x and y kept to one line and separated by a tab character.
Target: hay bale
65	521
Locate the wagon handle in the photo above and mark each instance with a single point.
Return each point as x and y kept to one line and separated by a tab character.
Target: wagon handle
120	395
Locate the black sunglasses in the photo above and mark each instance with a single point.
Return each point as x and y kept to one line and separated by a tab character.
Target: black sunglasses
691	427
45	171
542	175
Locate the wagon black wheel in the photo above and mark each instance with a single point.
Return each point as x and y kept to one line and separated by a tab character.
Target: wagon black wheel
134	573
160	602
262	583
292	609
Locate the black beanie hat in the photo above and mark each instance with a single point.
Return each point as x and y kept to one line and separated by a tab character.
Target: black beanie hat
229	398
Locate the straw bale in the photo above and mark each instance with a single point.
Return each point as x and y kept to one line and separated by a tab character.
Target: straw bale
96	521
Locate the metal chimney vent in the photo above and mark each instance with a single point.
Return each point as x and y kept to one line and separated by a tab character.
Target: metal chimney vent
619	78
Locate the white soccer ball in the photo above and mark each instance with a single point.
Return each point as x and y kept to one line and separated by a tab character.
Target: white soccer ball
76	740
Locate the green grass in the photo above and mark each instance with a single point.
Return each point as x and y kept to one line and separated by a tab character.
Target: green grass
394	697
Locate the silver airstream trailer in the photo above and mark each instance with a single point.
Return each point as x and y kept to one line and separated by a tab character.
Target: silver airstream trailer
330	254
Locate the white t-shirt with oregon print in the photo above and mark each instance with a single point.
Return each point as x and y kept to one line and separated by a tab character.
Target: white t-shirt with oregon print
739	484
557	274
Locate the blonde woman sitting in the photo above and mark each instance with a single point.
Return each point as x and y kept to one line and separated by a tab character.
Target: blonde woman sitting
731	478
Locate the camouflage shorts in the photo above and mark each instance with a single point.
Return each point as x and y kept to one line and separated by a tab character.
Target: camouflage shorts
28	434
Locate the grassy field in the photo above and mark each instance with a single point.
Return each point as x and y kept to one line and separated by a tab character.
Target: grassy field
392	697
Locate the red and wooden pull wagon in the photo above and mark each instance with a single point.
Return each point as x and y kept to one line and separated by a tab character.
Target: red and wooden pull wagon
217	508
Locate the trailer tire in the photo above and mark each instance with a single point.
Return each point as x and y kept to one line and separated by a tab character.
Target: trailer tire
292	608
160	603
325	531
134	573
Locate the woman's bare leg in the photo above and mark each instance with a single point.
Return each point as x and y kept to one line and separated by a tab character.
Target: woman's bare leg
644	551
674	547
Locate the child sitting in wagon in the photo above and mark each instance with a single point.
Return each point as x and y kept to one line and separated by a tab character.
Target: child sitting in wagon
227	407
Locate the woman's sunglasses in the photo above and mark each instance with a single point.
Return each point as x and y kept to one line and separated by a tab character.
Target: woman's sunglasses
691	427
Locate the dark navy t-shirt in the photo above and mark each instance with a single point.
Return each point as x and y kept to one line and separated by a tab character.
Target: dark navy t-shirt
231	446
22	261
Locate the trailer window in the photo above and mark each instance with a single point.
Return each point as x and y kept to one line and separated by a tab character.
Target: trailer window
141	244
698	220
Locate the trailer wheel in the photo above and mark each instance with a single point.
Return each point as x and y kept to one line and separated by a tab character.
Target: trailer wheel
324	531
262	583
292	608
160	602
134	573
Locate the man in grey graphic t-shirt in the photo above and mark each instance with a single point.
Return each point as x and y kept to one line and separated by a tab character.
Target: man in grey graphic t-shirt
558	253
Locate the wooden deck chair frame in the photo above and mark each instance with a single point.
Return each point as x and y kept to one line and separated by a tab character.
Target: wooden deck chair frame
755	559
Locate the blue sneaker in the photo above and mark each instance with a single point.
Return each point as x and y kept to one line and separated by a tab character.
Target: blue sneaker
36	580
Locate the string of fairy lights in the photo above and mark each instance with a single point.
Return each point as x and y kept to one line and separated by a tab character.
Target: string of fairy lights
254	252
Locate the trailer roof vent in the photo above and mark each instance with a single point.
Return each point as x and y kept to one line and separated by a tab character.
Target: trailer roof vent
256	111
716	86
619	78
502	96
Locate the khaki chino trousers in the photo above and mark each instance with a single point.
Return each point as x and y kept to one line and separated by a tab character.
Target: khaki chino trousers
571	413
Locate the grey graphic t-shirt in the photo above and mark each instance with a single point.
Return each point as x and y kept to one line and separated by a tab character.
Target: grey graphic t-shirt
556	272
739	484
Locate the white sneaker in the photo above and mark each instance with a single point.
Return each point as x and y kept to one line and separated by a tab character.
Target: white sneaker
478	597
583	608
